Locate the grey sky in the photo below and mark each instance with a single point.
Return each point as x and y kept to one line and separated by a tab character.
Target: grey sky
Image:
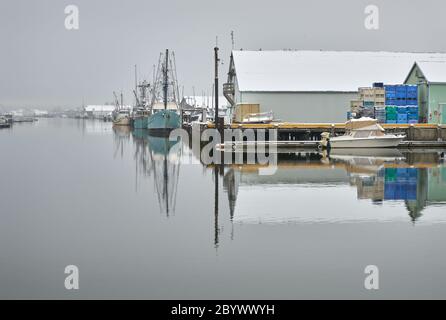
44	65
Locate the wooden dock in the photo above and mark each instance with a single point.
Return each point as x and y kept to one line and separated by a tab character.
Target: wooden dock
299	132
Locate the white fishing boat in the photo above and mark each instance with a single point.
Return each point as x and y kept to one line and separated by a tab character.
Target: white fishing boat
121	115
122	118
365	133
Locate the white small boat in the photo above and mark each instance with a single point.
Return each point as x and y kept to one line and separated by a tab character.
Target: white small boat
265	117
365	133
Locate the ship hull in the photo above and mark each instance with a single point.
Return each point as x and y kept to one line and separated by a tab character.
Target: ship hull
141	122
121	121
375	142
163	121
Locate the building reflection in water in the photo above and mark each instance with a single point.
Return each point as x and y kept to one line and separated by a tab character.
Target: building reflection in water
414	179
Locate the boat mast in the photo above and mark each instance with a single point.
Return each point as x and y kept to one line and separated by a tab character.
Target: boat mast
136	85
166	83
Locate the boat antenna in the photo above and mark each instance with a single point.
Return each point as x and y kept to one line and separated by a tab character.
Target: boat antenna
232	40
136	79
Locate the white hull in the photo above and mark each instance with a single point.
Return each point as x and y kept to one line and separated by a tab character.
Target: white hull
122	122
388	141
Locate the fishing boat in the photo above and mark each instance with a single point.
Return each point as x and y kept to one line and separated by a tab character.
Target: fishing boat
164	121
122	118
121	115
141	111
166	118
365	133
140	119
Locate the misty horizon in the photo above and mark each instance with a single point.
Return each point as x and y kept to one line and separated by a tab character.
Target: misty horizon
46	66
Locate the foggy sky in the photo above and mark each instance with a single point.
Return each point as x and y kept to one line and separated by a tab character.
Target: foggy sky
44	65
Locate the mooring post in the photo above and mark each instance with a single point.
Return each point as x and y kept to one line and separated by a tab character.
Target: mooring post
439	133
411	132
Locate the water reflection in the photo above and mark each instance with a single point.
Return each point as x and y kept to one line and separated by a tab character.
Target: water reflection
316	187
343	186
159	158
121	138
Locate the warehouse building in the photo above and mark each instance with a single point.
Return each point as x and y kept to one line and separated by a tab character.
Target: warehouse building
430	76
100	111
312	86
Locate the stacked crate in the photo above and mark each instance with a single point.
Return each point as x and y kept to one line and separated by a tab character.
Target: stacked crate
401	94
401	103
391	114
402	114
368	102
373	102
380	114
412	104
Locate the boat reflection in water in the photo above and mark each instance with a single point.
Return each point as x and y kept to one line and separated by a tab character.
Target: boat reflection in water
121	136
159	158
397	183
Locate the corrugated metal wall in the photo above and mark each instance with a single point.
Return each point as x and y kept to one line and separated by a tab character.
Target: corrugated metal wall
301	107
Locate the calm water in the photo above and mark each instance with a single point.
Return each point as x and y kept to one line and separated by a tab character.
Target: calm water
139	224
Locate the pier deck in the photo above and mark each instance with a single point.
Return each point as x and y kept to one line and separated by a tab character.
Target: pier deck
298	132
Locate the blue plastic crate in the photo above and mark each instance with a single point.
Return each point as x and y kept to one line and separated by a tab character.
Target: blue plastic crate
402	118
412	93
411	89
401	102
401	109
390	87
412	121
391	121
412	102
390	102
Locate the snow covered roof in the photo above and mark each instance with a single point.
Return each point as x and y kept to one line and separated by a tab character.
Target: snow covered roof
99	108
205	101
433	71
322	71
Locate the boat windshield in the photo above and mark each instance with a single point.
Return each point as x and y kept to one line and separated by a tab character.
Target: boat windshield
366	133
